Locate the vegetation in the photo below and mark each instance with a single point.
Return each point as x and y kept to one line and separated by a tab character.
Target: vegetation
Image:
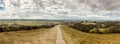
33	32
38	36
41	32
25	25
97	27
72	36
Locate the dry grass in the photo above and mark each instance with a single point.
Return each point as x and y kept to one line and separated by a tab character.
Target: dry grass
40	36
29	23
89	23
73	36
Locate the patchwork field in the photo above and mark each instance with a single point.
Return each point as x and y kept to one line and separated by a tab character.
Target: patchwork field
73	36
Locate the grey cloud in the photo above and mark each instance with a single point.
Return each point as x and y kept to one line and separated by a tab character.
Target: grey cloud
61	9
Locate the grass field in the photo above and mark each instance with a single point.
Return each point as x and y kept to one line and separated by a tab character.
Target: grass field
39	36
73	36
47	35
29	23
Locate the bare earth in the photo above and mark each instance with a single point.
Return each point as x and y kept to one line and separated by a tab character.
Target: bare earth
59	39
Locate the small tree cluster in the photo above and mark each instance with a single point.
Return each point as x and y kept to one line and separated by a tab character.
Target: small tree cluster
17	27
100	27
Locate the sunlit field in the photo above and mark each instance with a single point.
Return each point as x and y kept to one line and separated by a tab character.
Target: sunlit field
6	26
27	32
39	36
30	23
55	32
59	21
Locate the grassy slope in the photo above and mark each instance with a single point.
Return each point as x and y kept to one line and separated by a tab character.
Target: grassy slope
29	23
73	36
40	36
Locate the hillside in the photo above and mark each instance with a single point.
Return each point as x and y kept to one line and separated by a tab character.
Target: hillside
39	36
73	36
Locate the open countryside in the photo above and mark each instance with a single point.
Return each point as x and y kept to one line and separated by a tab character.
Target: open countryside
57	32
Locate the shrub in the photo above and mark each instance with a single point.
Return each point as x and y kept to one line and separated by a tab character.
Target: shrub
17	27
99	27
103	30
114	29
94	30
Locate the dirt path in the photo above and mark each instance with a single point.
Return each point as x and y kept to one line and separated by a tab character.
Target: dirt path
59	39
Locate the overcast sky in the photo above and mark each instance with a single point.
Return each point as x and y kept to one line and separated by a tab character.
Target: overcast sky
33	9
1	5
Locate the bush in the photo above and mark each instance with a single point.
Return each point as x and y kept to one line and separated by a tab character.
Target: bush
82	27
94	30
99	27
114	29
103	30
99	30
17	27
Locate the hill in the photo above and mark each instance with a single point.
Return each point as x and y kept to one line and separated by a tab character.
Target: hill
72	36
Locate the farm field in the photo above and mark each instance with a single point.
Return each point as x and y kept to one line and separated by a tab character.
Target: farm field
73	36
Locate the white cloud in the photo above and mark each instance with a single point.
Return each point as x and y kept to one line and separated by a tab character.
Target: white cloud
47	11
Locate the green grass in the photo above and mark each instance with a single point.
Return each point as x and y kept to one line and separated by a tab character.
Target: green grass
73	36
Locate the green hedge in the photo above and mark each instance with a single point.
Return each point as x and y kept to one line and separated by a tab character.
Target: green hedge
17	27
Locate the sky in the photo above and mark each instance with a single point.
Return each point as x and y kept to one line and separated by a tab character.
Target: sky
1	5
26	9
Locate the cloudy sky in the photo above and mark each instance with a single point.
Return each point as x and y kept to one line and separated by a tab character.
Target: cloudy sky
60	9
1	5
